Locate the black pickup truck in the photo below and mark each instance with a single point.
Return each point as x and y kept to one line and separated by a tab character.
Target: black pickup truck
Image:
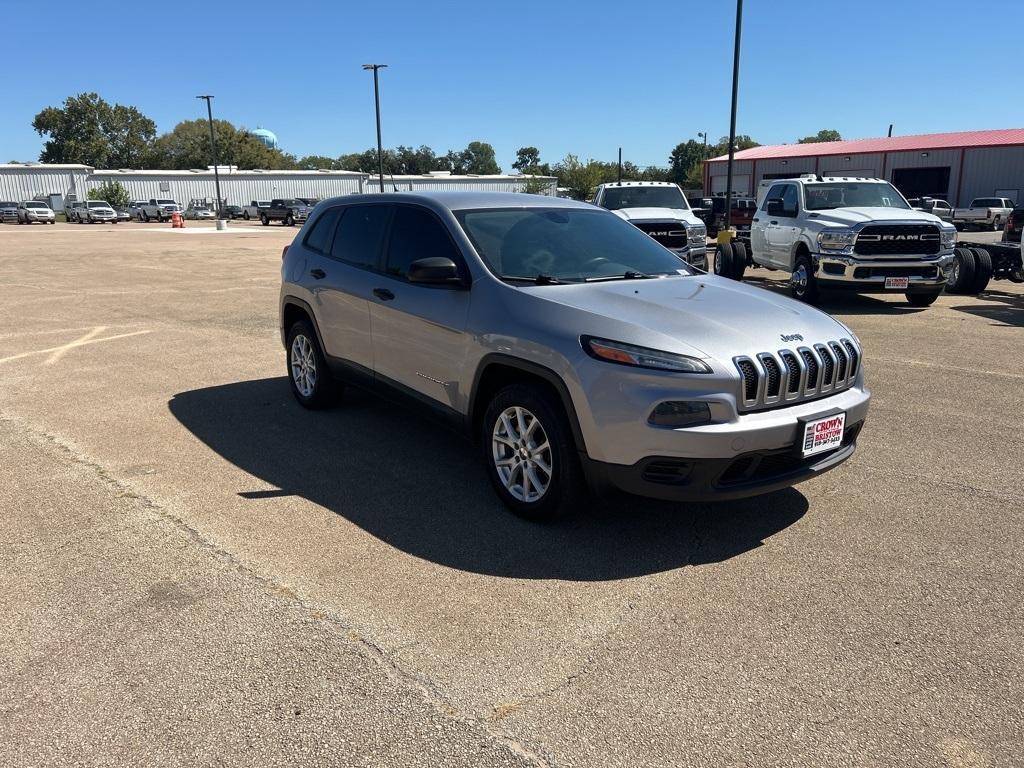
288	211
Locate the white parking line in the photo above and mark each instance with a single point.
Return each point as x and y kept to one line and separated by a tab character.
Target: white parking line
80	342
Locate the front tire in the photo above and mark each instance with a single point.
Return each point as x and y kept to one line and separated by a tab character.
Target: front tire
289	221
723	260
802	283
961	278
310	379
245	215
264	221
529	453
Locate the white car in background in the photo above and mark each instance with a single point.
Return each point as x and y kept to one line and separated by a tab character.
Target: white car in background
97	212
33	210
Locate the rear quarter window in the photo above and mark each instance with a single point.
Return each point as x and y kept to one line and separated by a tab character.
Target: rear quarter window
358	237
321	235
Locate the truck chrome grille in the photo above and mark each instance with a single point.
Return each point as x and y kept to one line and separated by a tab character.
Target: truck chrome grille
897	239
790	376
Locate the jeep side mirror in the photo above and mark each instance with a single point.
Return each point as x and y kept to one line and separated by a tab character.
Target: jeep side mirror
776	207
436	270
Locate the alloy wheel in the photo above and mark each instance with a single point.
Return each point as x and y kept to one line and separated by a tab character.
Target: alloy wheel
522	454
799	279
303	365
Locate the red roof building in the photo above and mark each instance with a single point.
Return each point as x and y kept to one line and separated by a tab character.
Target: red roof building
953	166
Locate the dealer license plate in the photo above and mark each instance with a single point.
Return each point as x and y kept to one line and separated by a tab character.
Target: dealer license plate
824	434
897	283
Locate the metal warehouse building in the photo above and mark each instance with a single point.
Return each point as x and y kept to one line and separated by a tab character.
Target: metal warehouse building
24	181
956	167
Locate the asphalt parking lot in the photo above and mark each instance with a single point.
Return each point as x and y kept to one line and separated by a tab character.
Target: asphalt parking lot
199	572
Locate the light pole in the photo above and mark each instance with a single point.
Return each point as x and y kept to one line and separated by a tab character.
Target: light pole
732	118
704	153
213	149
376	101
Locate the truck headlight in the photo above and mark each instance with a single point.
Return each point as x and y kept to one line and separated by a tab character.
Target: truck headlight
948	238
836	239
641	357
698	233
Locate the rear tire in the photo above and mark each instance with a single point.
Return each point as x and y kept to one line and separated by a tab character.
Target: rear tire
739	260
289	221
538	478
922	299
995	224
802	283
245	215
961	279
982	269
723	260
308	374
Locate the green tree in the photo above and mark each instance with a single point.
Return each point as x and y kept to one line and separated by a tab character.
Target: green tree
580	179
527	160
188	146
112	192
722	147
683	157
88	130
825	134
478	157
535	185
315	163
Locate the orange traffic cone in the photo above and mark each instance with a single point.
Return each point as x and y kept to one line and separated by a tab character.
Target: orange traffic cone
176	221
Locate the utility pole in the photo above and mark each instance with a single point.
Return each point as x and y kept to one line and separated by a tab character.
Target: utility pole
376	101
620	165
732	119
213	149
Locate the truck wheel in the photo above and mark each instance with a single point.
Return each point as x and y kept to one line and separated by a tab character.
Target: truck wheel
264	220
922	299
245	215
802	283
995	224
982	269
961	278
739	261
723	260
289	221
529	453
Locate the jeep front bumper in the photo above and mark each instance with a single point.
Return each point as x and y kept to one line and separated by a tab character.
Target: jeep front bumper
869	274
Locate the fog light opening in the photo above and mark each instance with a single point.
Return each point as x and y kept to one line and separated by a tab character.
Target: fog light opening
678	413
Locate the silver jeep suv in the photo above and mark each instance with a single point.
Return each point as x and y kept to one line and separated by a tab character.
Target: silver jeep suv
577	350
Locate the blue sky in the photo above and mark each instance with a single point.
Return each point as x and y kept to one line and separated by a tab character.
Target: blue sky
581	77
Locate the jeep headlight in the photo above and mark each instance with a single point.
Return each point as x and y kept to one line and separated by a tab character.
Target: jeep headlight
641	357
836	239
948	238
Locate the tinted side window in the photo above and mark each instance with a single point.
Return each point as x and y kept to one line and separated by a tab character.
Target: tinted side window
319	238
357	240
416	234
773	194
790	199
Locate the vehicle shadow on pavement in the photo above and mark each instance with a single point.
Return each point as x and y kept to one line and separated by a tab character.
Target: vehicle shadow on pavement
842	302
420	488
1003	308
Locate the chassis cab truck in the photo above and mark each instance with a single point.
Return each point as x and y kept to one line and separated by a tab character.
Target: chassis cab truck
847	233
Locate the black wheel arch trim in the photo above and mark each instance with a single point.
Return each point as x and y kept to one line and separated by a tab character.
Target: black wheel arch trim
294	301
535	369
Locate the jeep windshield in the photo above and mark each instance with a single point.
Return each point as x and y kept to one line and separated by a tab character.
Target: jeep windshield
853	194
565	245
643	197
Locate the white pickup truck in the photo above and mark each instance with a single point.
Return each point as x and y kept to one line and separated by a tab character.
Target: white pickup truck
986	212
253	209
160	209
857	234
660	209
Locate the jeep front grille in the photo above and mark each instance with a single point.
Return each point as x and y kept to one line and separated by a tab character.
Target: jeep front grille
786	377
897	239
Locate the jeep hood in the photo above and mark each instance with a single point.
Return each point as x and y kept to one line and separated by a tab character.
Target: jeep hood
845	217
701	315
657	214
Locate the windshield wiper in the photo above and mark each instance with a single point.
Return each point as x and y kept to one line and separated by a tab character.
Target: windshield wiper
627	275
540	279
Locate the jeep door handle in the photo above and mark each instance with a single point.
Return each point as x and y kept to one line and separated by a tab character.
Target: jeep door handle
319	274
773	222
383	294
